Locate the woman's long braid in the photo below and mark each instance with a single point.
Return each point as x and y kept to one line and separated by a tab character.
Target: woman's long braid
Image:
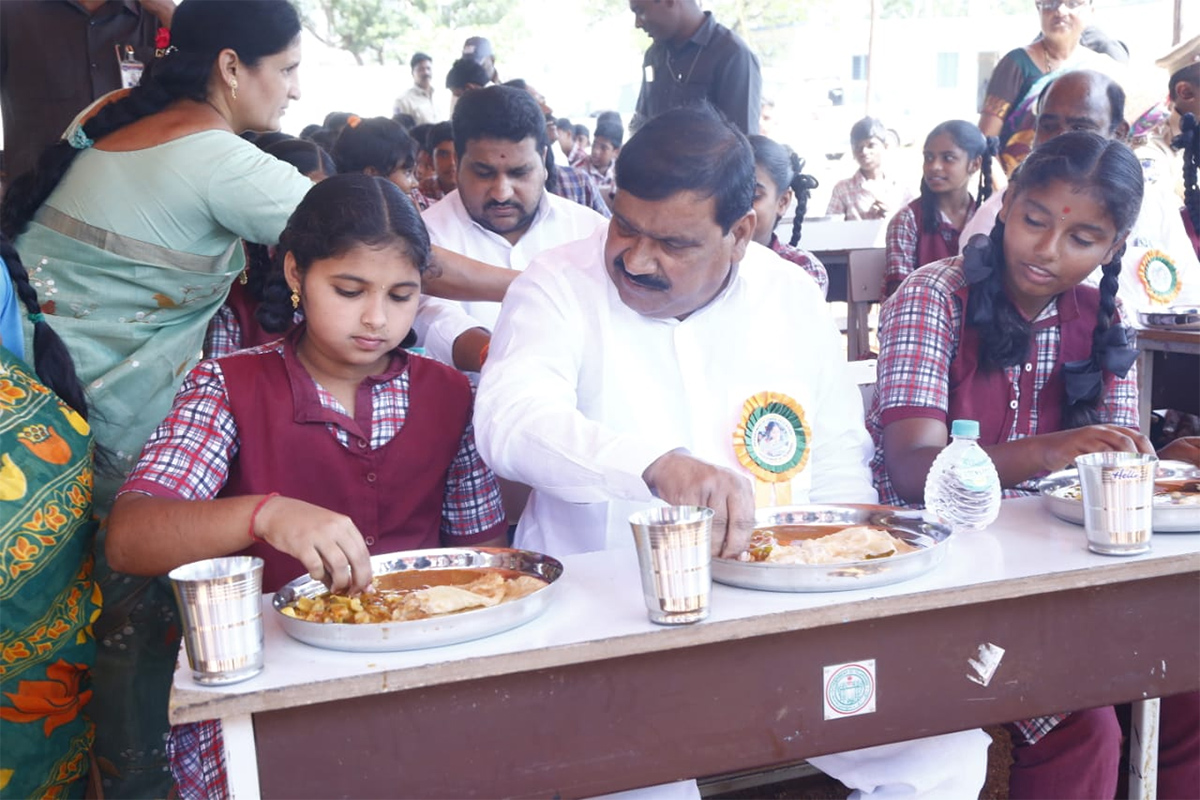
1084	412
50	358
1189	142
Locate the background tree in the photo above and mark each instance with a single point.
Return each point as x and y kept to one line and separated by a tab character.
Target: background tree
389	31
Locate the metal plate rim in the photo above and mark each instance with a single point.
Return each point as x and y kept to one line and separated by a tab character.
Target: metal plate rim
1164	519
1186	318
845	576
435	631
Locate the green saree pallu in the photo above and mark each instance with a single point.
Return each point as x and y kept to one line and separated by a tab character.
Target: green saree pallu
46	589
133	315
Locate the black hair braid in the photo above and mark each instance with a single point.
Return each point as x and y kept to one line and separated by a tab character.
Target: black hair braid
50	358
1004	335
985	171
802	186
275	312
929	209
258	269
1084	412
1189	142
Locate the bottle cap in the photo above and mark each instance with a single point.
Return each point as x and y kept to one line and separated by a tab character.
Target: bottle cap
965	427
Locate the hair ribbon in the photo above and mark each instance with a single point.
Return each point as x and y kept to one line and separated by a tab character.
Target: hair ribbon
1188	127
1084	379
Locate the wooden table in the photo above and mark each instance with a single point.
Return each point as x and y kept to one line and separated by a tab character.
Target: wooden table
591	697
1178	368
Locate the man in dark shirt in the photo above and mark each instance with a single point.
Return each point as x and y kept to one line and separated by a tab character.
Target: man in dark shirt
693	59
57	56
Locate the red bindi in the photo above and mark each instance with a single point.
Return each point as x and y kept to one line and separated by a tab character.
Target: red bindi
1066	209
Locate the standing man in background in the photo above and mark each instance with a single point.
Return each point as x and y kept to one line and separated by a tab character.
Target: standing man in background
418	101
695	59
57	56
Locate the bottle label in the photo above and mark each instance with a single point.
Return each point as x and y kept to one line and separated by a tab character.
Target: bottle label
975	471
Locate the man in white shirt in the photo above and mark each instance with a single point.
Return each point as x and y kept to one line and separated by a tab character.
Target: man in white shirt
417	102
1159	267
500	213
631	365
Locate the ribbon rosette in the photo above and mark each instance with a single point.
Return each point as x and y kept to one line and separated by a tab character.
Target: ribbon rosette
772	442
1158	277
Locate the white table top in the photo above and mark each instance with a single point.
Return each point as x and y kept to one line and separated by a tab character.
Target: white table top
840	235
599	613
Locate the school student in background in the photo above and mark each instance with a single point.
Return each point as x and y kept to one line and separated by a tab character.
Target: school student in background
378	146
927	229
778	179
870	193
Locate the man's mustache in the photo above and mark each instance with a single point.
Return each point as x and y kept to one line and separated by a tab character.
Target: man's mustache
490	204
648	281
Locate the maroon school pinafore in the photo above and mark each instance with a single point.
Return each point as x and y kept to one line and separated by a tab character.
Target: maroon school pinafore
987	395
931	247
394	493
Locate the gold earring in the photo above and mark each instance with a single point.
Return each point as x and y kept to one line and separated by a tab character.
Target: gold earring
295	298
233	88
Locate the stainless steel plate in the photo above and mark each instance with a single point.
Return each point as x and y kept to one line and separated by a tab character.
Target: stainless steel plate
1179	318
1060	493
930	538
435	631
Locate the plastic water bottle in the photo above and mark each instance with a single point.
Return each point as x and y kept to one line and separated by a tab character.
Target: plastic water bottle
962	489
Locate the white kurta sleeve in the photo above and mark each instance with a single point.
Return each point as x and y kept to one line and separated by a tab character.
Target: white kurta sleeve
438	324
528	426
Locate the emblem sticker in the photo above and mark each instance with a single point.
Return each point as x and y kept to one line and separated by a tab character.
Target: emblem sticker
850	689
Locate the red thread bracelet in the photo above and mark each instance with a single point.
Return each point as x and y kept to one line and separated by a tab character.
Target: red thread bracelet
254	515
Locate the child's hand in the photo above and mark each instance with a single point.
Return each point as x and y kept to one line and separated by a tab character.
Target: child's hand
1060	449
327	544
1186	448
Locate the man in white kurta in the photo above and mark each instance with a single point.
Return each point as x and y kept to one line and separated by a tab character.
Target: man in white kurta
582	393
620	370
500	213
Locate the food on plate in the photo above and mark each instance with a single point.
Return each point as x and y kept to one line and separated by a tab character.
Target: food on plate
785	545
1166	492
1177	493
418	595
